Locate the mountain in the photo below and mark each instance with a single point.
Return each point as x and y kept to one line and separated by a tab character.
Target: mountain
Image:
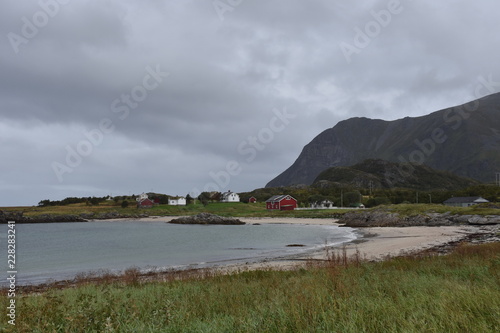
464	140
383	174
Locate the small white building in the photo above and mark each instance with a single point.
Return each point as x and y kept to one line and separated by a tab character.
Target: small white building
177	201
229	197
325	204
142	197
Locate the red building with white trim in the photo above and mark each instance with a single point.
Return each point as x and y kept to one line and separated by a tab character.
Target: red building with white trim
281	202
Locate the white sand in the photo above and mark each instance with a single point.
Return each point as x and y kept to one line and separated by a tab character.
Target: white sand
378	243
387	241
249	220
288	220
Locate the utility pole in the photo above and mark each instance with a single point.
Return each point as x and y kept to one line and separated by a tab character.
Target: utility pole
417	197
430	199
497	178
341	199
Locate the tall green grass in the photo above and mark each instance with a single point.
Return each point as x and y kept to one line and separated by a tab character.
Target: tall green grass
459	292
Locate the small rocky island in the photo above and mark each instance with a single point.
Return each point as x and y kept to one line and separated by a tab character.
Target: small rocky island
206	218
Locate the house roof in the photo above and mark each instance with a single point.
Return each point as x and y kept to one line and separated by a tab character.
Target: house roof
278	198
227	194
146	201
466	200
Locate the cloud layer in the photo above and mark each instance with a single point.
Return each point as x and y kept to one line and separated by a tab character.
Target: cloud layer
249	82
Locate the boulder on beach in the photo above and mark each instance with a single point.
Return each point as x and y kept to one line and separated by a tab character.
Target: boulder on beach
206	218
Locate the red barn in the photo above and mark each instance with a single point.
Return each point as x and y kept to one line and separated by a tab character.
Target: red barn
145	203
281	202
252	200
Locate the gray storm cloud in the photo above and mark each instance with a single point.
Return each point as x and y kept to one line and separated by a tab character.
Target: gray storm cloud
230	65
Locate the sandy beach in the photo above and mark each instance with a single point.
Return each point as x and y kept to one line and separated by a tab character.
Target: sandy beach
249	220
377	243
372	243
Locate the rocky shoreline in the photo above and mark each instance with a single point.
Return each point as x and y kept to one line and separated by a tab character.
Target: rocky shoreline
482	235
354	219
381	218
206	218
19	217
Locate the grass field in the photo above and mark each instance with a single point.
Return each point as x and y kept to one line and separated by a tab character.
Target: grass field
237	209
240	210
459	292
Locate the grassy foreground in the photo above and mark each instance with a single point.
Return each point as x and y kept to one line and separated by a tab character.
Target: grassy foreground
459	292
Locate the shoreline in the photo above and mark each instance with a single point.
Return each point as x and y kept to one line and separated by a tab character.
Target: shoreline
380	243
248	220
372	244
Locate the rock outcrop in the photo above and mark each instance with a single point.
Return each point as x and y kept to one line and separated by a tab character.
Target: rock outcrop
206	218
19	217
380	218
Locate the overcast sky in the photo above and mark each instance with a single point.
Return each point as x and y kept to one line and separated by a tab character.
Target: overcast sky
108	97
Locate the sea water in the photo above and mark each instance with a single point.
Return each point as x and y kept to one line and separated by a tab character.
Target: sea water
58	251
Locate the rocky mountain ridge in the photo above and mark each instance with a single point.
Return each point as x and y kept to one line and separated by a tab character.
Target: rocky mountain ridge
464	140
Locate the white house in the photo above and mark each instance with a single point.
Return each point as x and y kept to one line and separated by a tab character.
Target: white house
177	201
325	204
229	197
141	197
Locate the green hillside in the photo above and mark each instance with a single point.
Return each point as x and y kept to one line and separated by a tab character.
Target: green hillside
380	174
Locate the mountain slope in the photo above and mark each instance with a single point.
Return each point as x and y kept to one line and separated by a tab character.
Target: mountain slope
383	174
464	140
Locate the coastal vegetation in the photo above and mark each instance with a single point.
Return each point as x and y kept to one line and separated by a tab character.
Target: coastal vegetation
403	201
345	194
110	210
458	292
378	174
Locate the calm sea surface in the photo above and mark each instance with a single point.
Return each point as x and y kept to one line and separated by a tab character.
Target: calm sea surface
62	250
